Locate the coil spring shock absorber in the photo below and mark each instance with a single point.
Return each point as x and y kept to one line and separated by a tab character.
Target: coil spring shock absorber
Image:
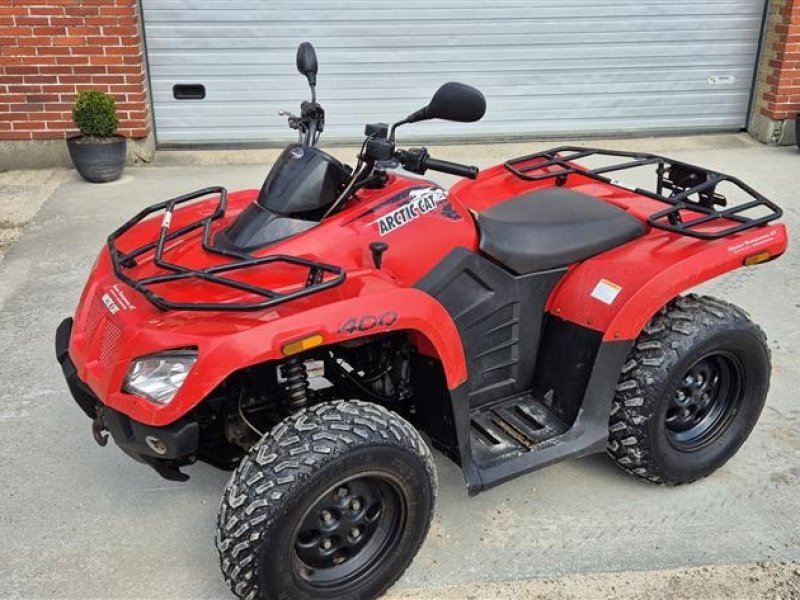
296	385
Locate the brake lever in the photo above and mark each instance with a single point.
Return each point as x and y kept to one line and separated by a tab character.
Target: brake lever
294	120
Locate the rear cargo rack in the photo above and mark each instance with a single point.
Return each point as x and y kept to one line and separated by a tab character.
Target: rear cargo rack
681	185
320	276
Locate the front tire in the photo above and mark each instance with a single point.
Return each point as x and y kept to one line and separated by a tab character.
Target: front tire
334	502
691	391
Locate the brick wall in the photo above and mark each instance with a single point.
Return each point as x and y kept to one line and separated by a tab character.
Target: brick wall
777	98
51	49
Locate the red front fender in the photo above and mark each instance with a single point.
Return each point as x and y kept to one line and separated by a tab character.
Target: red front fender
409	309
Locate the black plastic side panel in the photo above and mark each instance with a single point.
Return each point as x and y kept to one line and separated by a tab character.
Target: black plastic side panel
434	406
567	353
499	317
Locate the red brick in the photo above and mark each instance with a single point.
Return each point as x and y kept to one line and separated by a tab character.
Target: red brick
26	108
68	40
75	79
23	70
139	132
38	20
108	60
105	40
83	31
81	11
88	50
39	31
122	31
51	11
41	98
39	79
108	79
115	10
91	69
24	89
18	51
46	135
18	31
65	21
124	50
103	21
53	51
28	125
16	135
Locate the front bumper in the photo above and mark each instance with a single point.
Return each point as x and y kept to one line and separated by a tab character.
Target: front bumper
163	448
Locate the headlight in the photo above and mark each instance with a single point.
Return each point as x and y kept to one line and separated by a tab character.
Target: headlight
159	377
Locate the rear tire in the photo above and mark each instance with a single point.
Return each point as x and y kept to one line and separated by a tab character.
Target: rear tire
691	391
334	502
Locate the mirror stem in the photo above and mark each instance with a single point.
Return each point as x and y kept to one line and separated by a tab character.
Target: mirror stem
395	126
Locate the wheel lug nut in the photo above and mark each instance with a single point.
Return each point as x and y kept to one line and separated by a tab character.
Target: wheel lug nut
327	544
326	516
355	532
355	505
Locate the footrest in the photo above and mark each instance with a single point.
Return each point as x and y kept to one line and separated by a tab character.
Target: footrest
512	427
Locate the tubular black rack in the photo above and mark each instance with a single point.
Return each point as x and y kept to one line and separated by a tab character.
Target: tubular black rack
681	185
122	261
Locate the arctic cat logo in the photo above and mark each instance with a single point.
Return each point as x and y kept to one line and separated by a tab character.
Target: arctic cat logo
116	299
112	306
420	202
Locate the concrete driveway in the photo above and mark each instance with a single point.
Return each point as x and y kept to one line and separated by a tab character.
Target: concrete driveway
81	521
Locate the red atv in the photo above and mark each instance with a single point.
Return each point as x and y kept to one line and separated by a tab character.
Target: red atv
304	334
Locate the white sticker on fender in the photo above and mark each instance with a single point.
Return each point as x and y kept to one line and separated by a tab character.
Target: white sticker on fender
606	291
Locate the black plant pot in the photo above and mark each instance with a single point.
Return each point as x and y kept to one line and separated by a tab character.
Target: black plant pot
98	160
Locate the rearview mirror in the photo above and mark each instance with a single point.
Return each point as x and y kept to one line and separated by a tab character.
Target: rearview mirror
452	102
456	102
307	62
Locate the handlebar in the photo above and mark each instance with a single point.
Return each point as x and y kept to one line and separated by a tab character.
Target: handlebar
452	168
417	160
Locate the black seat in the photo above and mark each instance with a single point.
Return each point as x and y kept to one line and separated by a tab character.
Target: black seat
553	228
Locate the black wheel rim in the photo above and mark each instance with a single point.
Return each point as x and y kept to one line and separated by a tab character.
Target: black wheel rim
705	402
349	530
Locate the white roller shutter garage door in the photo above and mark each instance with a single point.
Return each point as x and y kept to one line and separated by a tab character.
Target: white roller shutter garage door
547	67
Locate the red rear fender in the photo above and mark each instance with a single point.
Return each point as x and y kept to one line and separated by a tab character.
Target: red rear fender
619	291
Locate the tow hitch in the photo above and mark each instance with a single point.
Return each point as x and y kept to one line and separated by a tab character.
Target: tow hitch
99	431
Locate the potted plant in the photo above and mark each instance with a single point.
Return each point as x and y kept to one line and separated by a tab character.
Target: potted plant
97	153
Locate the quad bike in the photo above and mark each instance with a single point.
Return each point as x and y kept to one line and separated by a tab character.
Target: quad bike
305	334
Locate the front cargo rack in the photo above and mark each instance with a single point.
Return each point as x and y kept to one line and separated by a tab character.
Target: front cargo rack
320	276
681	185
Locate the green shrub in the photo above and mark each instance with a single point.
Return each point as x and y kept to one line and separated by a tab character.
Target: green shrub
95	114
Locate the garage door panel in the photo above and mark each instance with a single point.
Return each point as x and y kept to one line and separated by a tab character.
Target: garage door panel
520	82
590	66
217	92
253	38
475	57
351	11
